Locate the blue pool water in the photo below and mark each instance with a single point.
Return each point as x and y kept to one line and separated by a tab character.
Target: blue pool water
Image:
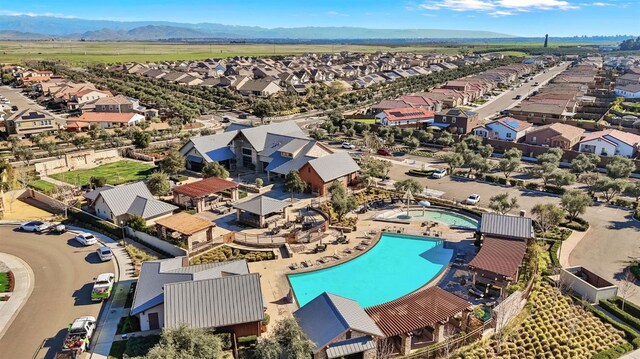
448	218
396	266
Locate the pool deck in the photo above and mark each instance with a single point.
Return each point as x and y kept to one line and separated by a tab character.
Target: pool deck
275	285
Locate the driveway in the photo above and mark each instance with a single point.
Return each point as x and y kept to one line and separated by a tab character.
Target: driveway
63	280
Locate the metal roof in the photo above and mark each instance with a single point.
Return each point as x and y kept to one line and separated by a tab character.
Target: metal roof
328	316
261	205
210	143
502	225
500	256
119	199
205	187
350	346
92	195
334	166
149	207
214	303
257	135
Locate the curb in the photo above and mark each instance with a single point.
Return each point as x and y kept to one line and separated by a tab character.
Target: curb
31	285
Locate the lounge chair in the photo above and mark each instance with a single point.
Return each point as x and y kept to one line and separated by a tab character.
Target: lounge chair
348	251
359	247
366	242
294	266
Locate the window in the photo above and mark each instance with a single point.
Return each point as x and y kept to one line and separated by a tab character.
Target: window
246	152
453	120
533	139
508	134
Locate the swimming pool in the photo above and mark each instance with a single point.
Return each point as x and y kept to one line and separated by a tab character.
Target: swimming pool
444	217
396	266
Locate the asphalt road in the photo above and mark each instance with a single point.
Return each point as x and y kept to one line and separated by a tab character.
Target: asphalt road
507	99
17	99
64	274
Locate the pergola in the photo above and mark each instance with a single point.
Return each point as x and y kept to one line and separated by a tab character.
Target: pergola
260	211
202	193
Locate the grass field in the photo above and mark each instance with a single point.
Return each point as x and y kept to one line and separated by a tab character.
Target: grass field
83	53
42	186
116	173
4	282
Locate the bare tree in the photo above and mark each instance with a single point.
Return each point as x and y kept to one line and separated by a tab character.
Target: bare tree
385	349
627	286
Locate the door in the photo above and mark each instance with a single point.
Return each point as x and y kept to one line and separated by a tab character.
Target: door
154	322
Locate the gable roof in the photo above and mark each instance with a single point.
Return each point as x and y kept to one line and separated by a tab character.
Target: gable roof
120	198
630	139
502	225
408	113
261	205
257	135
214	302
416	310
208	145
205	187
564	130
119	117
457	113
334	166
149	207
512	123
328	316
500	256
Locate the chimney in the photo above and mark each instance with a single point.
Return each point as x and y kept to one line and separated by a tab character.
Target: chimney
523	213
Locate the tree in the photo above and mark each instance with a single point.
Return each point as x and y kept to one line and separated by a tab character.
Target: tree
584	163
547	163
423	136
341	202
411	142
214	169
96	182
259	182
141	139
173	163
478	163
453	160
575	203
293	343
137	223
158	183
186	343
633	190
507	166
513	154
23	153
293	183
547	215
409	184
445	139
620	167
609	187
558	178
502	204
267	348
589	179
81	142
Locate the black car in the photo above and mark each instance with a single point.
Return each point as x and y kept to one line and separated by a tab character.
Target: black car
14	108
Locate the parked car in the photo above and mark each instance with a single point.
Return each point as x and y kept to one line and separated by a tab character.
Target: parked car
86	239
384	152
105	254
35	226
439	173
14	108
348	146
517	97
226	120
102	287
472	199
59	229
79	334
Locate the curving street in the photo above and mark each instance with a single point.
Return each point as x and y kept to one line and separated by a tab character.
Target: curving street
64	273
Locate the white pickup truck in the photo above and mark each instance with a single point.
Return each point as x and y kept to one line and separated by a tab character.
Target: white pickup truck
79	334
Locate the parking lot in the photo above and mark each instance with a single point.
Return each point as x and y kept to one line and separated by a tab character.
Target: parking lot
64	273
16	98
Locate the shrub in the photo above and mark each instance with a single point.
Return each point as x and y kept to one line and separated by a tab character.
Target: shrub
532	186
630	334
554	190
139	346
502	180
579	224
629	307
614	352
624	203
490	178
553	254
90	222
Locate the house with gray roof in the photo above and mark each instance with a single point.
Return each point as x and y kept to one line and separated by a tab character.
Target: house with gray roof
321	172
339	327
261	211
118	204
222	296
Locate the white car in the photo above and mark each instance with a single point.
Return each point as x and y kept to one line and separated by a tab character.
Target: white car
104	253
439	173
472	199
86	239
35	226
348	146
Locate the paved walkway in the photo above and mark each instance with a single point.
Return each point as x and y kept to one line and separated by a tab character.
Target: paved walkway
55	181
569	244
24	282
632	355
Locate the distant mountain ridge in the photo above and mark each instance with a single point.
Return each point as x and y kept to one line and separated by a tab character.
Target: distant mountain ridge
40	27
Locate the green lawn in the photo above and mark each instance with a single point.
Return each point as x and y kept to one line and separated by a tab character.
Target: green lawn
369	121
4	282
116	173
42	186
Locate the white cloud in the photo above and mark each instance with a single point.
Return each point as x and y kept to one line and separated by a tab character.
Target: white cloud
335	13
458	5
32	14
500	7
500	13
601	4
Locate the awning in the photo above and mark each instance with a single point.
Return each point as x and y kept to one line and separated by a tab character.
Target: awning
221	154
194	159
439	125
350	346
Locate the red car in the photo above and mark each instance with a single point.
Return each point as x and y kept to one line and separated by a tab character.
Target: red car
384	152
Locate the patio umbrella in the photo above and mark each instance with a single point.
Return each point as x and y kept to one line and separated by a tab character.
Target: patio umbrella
424	204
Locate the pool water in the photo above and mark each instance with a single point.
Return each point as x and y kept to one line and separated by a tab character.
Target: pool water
396	266
448	218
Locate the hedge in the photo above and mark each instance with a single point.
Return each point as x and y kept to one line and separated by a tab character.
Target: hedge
629	319
630	334
624	203
554	190
420	173
553	254
579	224
88	221
630	308
516	182
532	186
615	352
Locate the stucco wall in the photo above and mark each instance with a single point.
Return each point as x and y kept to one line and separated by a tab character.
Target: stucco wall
144	317
77	160
156	242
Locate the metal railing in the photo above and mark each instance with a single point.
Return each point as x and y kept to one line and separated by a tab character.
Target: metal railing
438	349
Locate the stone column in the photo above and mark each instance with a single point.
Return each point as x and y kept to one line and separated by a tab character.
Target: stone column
438	332
405	344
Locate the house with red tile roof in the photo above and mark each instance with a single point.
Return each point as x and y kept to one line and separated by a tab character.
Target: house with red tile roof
405	117
504	129
610	142
202	194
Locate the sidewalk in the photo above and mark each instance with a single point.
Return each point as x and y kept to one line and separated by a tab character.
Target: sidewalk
114	309
24	278
569	245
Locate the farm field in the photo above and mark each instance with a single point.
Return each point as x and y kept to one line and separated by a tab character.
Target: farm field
115	173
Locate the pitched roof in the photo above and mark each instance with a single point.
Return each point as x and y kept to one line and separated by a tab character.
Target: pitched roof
114	100
500	256
338	315
408	113
261	205
92	195
417	310
502	225
120	198
215	302
185	223
630	139
457	113
564	130
334	166
350	346
119	117
512	123
257	135
154	275
207	145
205	187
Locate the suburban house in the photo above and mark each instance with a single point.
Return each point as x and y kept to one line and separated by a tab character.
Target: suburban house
85	96
421	318
205	193
555	135
320	173
338	327
118	204
117	103
628	91
611	142
504	129
194	232
405	117
504	246
261	88
223	296
104	120
29	121
457	120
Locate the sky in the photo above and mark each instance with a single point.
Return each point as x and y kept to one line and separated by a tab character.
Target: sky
514	17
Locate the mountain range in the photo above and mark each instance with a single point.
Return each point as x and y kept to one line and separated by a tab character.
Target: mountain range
24	27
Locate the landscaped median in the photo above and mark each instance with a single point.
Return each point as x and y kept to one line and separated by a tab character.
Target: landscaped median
7	283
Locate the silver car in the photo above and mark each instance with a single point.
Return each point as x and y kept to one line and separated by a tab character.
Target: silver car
105	254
